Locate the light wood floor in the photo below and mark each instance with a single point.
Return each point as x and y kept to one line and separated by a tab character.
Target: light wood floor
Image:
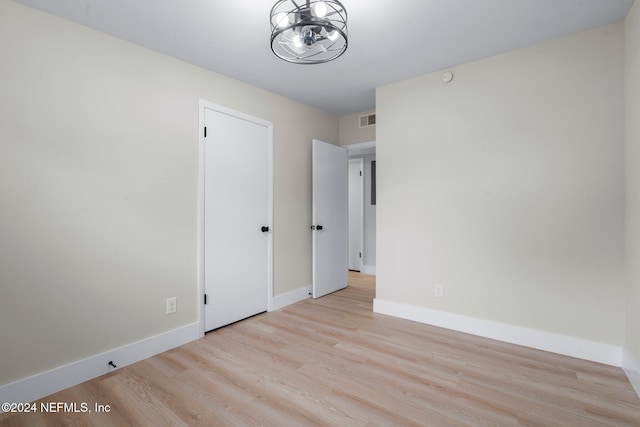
332	361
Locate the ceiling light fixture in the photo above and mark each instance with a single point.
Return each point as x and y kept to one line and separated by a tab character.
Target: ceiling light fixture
311	32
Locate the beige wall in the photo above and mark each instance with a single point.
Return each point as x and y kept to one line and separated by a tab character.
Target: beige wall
98	187
632	108
506	186
352	133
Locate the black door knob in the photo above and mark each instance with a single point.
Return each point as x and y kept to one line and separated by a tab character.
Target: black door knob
319	227
264	229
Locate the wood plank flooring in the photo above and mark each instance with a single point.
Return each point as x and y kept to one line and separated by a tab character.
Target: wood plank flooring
333	362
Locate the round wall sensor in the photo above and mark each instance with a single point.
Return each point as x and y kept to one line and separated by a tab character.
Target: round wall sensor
447	77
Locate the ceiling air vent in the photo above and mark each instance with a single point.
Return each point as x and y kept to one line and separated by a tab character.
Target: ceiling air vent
368	120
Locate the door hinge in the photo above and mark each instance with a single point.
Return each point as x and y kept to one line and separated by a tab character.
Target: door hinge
360	254
360	173
205	298
205	131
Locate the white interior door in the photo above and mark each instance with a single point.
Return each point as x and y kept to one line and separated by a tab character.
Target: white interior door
236	208
356	220
330	218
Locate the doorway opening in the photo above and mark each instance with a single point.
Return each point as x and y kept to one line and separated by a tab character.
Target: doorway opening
362	244
356	213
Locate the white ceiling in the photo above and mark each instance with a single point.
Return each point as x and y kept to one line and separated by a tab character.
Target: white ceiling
389	40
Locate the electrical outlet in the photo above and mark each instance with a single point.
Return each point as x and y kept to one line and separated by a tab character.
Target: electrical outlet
438	291
172	305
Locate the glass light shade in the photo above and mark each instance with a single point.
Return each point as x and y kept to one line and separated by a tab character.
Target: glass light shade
308	32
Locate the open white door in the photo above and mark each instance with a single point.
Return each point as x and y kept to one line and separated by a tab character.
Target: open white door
330	218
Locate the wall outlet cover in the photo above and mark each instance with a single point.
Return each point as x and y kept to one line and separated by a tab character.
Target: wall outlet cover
172	305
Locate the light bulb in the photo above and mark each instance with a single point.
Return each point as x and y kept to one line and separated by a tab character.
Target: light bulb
280	20
320	9
332	35
297	40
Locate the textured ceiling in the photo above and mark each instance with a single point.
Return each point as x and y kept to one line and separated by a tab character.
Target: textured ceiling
388	40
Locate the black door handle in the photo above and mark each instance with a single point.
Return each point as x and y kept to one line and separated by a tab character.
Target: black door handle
264	229
319	227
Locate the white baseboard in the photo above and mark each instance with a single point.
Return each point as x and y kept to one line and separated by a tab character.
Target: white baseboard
45	383
541	340
632	368
291	297
369	269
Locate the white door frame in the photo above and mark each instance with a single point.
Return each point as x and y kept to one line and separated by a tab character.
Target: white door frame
204	104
